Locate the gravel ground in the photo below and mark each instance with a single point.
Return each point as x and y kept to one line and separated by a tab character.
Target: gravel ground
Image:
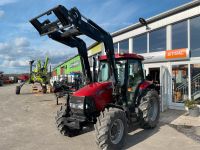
27	123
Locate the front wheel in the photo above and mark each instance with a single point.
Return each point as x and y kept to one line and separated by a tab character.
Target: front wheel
111	129
149	109
61	116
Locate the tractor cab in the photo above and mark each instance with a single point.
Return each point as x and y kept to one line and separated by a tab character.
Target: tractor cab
129	72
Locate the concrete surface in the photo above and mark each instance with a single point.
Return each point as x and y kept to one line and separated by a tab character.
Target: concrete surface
27	123
182	122
178	117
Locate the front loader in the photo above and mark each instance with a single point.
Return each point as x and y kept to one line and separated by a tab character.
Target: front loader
39	75
121	97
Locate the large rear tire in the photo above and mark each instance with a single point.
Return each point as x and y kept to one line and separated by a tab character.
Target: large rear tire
17	90
149	109
111	129
62	115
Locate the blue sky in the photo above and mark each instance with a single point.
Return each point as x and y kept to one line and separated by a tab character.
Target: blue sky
19	41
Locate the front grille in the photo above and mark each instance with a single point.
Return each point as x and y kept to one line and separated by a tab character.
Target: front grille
77	100
78	112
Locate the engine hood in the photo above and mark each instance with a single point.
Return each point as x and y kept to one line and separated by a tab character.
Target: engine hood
93	89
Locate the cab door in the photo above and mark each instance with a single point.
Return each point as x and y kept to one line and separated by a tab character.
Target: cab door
135	77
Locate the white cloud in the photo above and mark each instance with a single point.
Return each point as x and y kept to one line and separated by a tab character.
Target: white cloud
5	2
15	63
15	53
22	42
2	13
4	46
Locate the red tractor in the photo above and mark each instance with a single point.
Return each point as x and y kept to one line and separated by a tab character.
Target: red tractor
119	98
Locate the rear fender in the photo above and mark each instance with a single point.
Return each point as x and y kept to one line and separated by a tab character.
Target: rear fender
143	89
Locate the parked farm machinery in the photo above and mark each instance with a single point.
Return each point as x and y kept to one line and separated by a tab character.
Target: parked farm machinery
38	75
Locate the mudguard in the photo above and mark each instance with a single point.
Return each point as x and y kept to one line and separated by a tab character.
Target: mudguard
142	89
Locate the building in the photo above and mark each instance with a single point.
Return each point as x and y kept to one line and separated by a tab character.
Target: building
74	64
171	49
66	68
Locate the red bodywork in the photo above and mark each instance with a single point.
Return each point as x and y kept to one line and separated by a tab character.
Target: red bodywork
102	91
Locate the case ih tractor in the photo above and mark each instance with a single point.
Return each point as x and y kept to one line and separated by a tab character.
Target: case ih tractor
121	97
39	75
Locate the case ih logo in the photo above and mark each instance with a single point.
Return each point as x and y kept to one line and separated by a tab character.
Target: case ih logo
176	54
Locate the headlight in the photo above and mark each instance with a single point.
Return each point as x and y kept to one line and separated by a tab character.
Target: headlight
76	105
76	102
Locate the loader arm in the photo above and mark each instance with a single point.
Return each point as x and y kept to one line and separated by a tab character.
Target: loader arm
68	25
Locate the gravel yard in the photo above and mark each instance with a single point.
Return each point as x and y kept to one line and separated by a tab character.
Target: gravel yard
27	123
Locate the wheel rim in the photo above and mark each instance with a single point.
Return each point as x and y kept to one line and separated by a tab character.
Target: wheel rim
153	109
116	131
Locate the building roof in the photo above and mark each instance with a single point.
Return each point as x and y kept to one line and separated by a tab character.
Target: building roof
159	17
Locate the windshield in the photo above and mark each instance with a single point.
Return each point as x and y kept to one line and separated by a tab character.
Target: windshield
104	71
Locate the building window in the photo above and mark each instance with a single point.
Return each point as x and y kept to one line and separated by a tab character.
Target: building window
157	40
116	47
179	35
180	83
123	46
195	36
140	44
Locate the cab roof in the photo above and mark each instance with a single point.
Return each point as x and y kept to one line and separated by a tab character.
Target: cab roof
124	56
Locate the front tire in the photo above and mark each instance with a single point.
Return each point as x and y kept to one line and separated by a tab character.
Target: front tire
62	115
149	109
111	129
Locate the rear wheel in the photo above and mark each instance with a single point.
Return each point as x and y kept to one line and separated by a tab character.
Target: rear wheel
149	109
17	90
62	115
111	129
